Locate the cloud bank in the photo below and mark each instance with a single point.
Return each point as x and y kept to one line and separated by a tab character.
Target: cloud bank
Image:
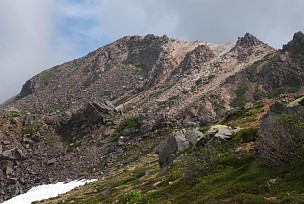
36	35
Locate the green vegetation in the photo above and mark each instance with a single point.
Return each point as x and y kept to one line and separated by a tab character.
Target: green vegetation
168	103
245	135
58	106
122	101
198	82
211	174
88	82
239	100
173	98
242	113
31	128
282	90
254	66
126	123
49	73
211	76
135	196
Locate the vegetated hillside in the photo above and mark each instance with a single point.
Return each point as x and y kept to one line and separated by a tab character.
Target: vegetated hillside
98	115
250	166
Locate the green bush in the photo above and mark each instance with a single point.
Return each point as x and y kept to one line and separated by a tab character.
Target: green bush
246	135
198	82
201	162
239	100
135	196
127	123
282	90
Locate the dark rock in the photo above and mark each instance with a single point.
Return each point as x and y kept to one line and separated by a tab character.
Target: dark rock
129	131
166	151
6	163
206	138
14	120
5	142
13	154
28	88
296	44
248	41
36	137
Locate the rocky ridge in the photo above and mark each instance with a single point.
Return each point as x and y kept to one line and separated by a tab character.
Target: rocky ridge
93	115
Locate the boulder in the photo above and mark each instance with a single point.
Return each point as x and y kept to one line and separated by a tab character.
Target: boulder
181	140
193	135
29	119
221	132
6	163
13	154
166	151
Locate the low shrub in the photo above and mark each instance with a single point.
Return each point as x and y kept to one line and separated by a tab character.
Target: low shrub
135	196
126	123
201	162
246	135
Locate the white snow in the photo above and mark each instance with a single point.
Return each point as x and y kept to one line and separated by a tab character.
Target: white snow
46	191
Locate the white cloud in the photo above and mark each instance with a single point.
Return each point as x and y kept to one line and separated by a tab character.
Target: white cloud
26	30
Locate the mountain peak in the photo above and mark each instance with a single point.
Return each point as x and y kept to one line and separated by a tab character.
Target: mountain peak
296	43
248	40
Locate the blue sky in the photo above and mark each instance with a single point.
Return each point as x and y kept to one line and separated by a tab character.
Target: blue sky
38	34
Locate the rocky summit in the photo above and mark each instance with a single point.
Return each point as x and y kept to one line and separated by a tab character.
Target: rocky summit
146	99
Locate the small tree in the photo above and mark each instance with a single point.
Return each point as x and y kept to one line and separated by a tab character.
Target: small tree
283	142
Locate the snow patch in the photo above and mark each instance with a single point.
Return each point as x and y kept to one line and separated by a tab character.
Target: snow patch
46	191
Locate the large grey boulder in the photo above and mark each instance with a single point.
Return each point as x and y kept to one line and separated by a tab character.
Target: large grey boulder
178	142
181	140
167	151
193	135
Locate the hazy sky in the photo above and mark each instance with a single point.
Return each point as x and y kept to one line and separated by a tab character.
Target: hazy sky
38	34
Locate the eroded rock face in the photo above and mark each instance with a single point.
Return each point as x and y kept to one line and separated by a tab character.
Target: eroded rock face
28	88
297	42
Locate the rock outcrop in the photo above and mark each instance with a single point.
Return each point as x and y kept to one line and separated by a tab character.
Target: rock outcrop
183	139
